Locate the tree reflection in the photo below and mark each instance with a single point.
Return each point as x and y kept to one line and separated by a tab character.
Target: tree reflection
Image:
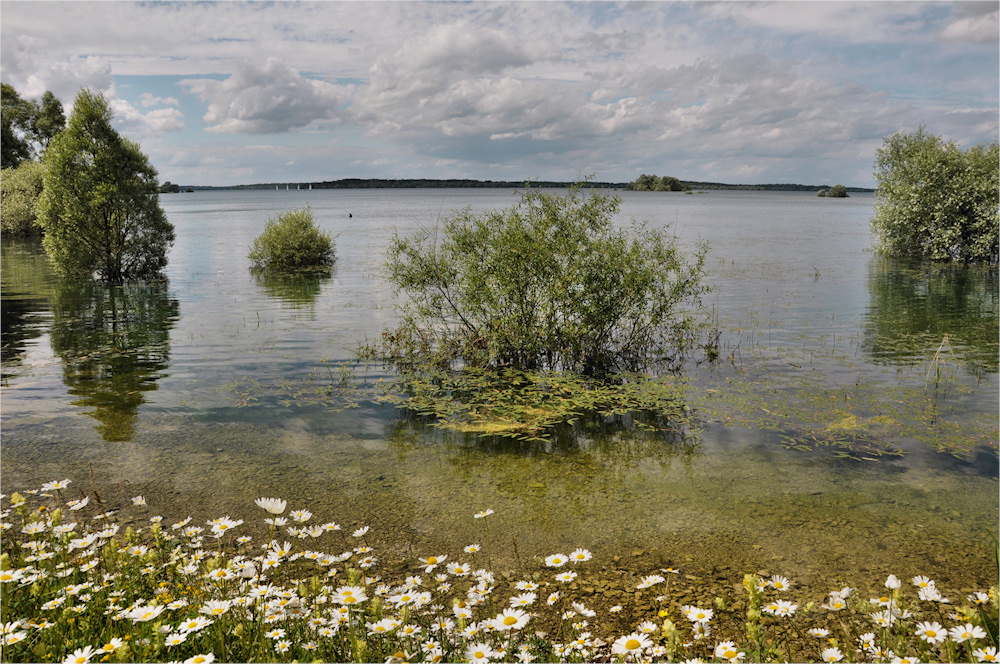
114	342
590	464
294	291
913	307
27	285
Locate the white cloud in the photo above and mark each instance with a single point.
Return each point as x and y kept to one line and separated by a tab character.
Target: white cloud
974	22
147	100
132	121
269	98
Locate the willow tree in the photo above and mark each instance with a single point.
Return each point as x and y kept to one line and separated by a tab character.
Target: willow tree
100	205
936	201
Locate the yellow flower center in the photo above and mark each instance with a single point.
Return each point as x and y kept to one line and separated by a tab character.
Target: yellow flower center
432	560
479	654
632	644
509	620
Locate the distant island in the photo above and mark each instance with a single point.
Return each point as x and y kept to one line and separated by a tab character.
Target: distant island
426	183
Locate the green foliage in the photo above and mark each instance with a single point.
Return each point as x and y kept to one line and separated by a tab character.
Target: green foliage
20	189
653	183
821	193
292	242
170	188
15	118
28	126
549	283
837	191
936	201
100	207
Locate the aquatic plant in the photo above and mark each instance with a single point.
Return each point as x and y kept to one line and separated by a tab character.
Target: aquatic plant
75	586
548	284
292	242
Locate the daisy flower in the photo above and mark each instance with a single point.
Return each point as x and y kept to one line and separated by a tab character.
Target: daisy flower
831	655
511	619
779	583
271	505
988	654
580	556
566	577
727	650
818	632
80	655
556	560
207	658
931	632
479	653
965	632
631	643
694	614
472	548
524	599
483	514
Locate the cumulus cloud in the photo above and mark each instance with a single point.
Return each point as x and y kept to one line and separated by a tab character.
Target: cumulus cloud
444	75
268	98
26	67
134	122
147	100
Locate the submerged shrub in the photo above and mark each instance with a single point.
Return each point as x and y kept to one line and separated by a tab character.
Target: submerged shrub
548	284
292	242
936	201
19	191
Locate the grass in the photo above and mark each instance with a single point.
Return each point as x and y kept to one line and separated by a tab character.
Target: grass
78	586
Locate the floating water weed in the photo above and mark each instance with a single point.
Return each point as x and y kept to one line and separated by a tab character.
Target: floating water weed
86	589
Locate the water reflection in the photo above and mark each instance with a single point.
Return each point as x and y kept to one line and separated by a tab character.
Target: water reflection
114	342
912	307
594	464
26	286
294	291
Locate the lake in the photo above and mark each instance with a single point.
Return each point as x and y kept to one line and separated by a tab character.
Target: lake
848	428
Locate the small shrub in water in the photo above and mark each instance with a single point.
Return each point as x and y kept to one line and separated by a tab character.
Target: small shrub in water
292	242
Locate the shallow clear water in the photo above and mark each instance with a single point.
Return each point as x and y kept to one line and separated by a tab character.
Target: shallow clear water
205	393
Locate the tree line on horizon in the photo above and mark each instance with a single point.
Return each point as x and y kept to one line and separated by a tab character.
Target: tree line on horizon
447	183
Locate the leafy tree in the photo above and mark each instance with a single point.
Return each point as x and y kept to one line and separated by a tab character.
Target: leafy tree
20	189
549	283
292	243
653	183
935	201
28	126
15	117
837	191
48	119
100	207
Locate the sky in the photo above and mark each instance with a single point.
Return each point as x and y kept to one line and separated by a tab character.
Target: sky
749	92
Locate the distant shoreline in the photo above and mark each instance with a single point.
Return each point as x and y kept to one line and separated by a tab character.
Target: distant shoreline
377	183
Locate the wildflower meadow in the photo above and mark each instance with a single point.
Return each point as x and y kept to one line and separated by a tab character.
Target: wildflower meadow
292	586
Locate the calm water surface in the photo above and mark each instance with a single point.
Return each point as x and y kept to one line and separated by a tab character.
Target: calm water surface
206	392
